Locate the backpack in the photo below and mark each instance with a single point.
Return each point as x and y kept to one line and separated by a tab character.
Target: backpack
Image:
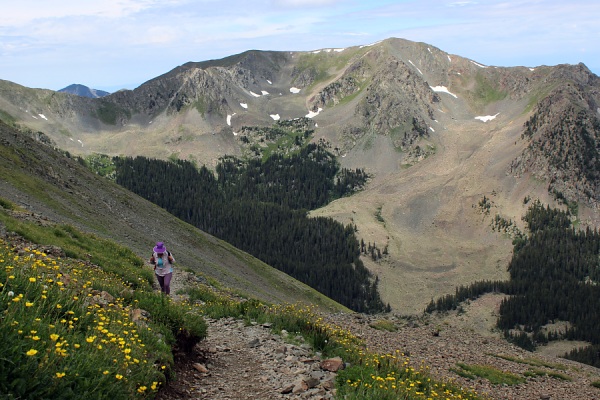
158	261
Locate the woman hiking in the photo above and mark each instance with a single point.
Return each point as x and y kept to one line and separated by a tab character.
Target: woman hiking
163	266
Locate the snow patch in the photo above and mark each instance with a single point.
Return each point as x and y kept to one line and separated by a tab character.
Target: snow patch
428	49
449	59
486	118
312	114
43	116
294	90
254	94
532	69
269	82
432	130
415	67
80	142
229	118
264	92
276	117
34	117
372	44
244	105
479	65
328	50
235	133
443	89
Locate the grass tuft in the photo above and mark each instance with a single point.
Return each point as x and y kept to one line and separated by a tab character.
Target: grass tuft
494	375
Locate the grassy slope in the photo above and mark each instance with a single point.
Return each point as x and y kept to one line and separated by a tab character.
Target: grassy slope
44	181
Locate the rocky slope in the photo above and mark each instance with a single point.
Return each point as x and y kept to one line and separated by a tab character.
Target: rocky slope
239	361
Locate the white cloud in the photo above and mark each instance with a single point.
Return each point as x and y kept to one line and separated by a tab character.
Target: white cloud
304	3
27	11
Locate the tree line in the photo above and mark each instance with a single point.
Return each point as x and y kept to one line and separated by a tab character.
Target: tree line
261	208
554	276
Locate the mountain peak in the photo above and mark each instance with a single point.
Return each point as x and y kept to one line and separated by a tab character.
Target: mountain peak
84	91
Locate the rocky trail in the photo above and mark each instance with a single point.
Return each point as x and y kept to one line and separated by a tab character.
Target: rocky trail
248	362
239	361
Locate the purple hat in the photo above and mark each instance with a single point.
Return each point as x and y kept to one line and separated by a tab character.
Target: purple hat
160	247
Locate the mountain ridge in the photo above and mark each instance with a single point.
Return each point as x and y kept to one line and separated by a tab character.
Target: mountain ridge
437	132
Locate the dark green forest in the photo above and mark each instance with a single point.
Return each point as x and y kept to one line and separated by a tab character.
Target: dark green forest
261	207
554	276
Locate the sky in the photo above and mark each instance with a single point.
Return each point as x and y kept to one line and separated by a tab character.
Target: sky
120	44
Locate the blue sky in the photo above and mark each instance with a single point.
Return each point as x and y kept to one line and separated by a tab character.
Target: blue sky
114	44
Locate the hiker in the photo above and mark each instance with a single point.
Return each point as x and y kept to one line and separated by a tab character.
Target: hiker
163	261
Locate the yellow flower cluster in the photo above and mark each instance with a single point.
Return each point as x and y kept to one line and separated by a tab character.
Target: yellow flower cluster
66	331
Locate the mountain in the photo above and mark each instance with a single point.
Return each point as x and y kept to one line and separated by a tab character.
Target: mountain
84	91
437	133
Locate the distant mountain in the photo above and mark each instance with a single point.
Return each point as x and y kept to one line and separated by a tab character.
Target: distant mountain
84	91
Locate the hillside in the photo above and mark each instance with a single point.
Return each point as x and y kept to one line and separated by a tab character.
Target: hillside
436	131
47	182
280	351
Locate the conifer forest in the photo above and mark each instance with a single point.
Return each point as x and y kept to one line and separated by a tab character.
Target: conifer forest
554	276
260	206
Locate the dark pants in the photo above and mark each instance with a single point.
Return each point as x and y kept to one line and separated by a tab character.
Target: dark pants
165	282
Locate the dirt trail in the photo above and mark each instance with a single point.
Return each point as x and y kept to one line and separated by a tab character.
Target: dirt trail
249	362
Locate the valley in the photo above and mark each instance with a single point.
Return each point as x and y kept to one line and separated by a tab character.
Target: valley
407	113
